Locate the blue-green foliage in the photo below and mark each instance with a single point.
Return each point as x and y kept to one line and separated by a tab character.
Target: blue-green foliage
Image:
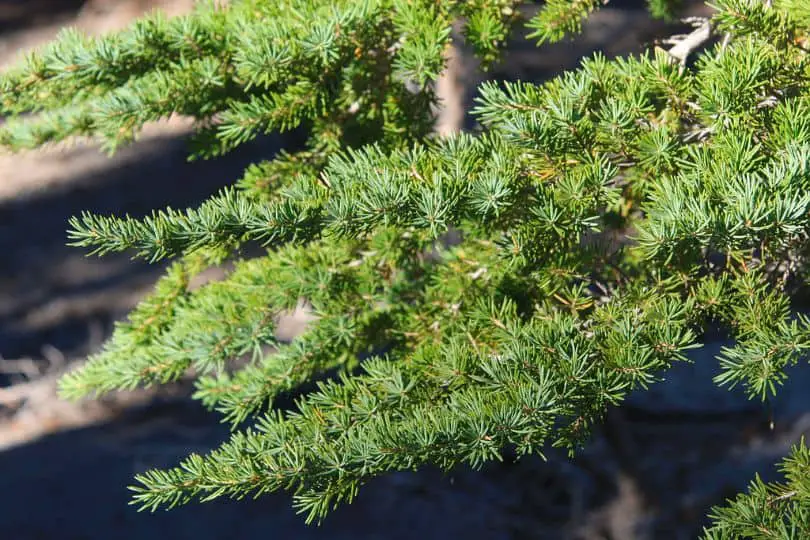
603	220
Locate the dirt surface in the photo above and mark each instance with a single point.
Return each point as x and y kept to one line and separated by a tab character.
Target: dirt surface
652	471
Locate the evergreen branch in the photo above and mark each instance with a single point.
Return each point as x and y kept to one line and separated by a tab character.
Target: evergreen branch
153	316
768	341
488	25
425	27
362	198
224	320
329	343
559	18
196	87
339	436
769	510
73	62
48	127
265	180
750	17
225	220
212	325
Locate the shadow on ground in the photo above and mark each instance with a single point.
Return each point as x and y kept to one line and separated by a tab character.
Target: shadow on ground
25	13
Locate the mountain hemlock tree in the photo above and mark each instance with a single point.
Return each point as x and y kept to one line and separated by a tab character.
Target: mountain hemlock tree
604	220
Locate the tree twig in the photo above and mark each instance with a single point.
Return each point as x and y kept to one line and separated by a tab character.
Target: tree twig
693	41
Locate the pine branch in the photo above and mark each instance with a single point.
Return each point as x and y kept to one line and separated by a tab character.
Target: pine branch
336	442
772	510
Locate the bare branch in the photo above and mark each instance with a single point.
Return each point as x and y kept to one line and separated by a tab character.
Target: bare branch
693	41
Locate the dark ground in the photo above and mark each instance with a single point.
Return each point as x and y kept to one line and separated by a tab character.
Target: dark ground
652	471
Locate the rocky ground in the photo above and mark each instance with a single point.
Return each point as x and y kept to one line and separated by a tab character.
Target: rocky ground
652	471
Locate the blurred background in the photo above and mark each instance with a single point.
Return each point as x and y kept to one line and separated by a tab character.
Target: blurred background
652	471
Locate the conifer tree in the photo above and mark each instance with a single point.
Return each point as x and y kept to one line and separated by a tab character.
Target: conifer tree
604	220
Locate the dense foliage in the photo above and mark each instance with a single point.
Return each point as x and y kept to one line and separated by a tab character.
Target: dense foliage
483	291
